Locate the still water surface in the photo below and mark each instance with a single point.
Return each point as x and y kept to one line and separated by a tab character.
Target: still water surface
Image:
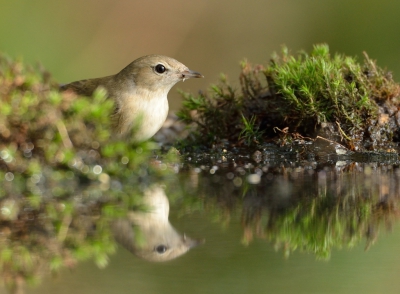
223	265
268	227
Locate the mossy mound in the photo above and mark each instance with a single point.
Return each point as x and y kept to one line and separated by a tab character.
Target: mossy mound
300	96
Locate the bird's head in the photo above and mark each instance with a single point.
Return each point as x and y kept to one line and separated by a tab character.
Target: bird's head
158	240
153	72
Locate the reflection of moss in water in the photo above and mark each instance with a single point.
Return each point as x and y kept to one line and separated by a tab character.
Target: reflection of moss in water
336	216
58	235
318	227
313	211
63	176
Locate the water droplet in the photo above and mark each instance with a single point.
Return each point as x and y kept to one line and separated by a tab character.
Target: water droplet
97	169
237	181
254	179
5	211
9	176
85	169
35	178
95	145
230	176
4	154
104	178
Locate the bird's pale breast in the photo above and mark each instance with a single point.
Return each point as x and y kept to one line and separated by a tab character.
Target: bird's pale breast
147	112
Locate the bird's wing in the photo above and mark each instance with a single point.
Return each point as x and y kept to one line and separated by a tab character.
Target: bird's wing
85	87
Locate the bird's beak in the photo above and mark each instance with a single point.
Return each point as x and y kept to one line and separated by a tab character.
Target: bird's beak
188	74
191	243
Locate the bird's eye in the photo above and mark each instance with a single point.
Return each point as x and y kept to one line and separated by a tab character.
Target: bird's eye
161	249
160	68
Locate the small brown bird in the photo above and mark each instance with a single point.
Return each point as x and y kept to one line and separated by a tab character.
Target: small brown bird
140	92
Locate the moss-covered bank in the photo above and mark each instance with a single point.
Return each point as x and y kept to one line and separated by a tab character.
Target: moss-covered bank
333	96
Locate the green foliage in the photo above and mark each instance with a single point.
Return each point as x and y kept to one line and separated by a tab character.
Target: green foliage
318	88
250	132
300	94
212	116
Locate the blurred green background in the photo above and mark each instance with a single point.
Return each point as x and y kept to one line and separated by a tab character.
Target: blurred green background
86	39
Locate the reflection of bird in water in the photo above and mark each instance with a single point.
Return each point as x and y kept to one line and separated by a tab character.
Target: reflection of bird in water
158	240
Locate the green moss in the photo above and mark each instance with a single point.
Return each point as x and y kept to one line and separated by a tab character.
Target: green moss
299	95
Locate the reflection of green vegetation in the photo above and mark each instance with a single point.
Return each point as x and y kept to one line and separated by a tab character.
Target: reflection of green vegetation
46	240
300	93
319	227
297	210
63	176
325	223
